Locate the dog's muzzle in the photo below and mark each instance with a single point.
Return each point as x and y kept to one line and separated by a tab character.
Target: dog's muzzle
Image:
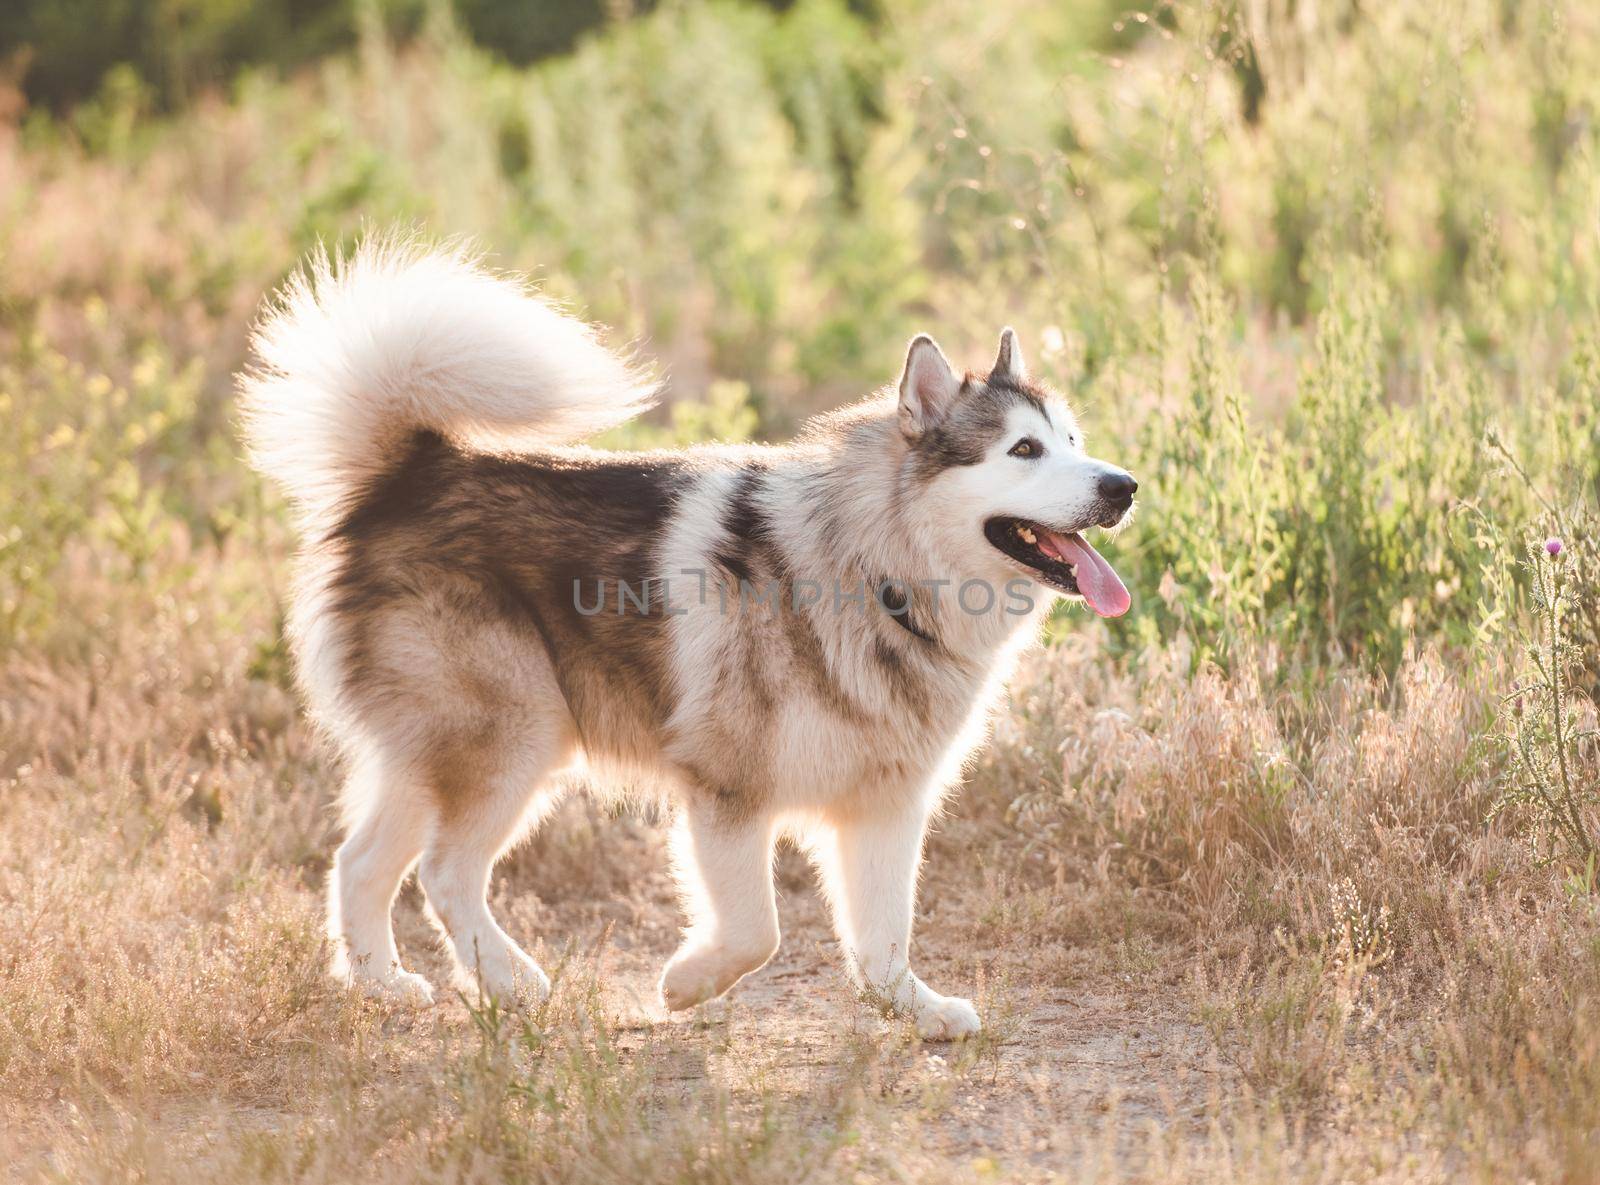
1116	491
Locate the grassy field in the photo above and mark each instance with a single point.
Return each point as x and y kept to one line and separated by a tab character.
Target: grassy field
1289	875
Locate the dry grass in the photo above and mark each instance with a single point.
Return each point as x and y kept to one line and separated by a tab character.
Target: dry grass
1222	932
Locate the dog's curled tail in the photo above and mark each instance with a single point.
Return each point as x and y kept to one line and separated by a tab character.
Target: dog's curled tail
356	354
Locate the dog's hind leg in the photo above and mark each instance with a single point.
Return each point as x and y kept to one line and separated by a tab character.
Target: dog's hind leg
389	821
486	800
725	874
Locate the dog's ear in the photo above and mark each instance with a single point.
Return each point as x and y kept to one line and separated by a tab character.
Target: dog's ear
928	387
1008	364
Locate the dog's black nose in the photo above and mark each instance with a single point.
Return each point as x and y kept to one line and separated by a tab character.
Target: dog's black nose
1118	487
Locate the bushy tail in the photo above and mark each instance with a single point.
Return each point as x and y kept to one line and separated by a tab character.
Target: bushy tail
356	354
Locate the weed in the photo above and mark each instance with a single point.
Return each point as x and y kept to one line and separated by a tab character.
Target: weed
1548	730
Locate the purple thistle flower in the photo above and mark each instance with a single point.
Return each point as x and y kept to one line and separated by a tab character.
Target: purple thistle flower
1553	546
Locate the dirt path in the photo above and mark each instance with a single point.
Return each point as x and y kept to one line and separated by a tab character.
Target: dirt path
1098	1066
1087	1062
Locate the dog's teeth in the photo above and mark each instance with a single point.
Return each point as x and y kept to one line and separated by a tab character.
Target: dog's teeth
1027	534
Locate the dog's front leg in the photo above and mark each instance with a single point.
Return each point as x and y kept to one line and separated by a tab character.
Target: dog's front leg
871	878
724	868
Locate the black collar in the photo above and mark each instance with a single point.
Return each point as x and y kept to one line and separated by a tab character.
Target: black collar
891	597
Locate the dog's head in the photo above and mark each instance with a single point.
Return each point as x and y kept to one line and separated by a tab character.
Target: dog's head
998	468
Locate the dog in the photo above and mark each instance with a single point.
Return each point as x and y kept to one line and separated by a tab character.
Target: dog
803	640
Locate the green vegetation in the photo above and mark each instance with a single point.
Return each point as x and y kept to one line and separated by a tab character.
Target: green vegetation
66	50
1295	316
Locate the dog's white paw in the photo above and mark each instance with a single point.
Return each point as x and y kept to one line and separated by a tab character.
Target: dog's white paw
698	973
396	987
946	1018
695	975
516	981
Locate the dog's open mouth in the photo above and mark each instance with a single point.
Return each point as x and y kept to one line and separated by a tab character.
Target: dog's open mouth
1063	560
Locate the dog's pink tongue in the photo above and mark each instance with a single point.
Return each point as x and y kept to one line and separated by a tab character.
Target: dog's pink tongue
1100	586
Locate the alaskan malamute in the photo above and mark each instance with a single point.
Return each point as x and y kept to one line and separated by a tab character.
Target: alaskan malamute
801	640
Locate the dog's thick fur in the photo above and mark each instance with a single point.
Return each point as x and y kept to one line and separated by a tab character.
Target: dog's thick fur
468	618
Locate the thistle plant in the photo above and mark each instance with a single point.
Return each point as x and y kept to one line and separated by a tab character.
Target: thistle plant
1547	781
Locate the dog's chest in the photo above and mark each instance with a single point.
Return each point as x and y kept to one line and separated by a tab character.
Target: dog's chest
905	742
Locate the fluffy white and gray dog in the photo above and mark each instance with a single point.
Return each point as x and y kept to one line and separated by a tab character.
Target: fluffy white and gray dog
801	640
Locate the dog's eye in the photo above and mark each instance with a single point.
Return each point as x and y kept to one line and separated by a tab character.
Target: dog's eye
1027	447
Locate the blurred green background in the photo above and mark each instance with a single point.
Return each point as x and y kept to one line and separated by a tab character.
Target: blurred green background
178	48
1292	262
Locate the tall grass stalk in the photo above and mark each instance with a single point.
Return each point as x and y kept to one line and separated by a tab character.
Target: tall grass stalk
1551	752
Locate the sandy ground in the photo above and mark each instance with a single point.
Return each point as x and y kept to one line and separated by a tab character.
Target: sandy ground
1084	1058
1089	1058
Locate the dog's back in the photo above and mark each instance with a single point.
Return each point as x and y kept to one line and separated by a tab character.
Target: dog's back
552	554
